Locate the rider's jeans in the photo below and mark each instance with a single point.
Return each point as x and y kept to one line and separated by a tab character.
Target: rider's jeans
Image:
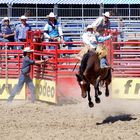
103	62
23	79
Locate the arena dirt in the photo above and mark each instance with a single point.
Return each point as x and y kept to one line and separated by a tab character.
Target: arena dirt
70	119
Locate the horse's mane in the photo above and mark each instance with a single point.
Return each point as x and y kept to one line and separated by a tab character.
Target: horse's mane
84	62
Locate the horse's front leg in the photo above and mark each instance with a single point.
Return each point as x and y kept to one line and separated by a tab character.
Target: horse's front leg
89	97
106	89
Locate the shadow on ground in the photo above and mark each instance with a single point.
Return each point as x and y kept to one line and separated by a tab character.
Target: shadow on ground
113	119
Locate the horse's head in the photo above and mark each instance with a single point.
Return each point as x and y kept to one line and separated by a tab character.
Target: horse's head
83	85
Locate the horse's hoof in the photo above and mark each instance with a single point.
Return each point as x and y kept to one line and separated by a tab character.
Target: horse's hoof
91	104
97	100
84	96
106	94
99	93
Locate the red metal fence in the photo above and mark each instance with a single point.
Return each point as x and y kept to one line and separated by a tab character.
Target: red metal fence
124	57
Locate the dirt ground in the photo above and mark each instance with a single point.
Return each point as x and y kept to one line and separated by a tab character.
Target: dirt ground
71	119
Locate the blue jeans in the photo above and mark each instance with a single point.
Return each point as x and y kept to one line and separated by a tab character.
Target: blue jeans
103	62
23	79
49	47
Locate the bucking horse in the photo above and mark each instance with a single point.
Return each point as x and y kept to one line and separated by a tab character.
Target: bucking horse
90	73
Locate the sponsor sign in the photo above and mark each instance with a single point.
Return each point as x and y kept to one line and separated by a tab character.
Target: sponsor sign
7	87
45	90
128	88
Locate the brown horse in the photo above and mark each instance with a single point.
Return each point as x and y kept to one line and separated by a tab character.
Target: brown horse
91	73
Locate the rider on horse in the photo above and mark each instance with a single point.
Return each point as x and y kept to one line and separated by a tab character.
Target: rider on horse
94	41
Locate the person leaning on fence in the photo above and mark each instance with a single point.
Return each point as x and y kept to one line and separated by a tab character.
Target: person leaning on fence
53	30
8	31
100	25
21	30
25	75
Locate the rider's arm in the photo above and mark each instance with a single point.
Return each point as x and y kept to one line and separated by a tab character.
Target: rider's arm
103	38
86	39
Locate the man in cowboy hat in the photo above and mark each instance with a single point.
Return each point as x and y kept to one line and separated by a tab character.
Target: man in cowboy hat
8	31
102	23
53	30
21	30
91	43
25	75
99	25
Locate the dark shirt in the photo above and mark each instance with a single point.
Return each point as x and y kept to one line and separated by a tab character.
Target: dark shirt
26	64
8	30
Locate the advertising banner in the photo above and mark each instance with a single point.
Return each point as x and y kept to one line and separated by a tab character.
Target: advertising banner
45	90
128	88
7	87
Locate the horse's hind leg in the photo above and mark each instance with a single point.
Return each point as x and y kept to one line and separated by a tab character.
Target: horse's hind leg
107	82
99	92
89	97
106	89
96	87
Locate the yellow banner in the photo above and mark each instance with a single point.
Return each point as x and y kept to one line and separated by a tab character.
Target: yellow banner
7	86
127	88
45	90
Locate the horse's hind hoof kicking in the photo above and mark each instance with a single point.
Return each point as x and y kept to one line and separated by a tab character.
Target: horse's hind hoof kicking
107	93
97	100
99	93
91	104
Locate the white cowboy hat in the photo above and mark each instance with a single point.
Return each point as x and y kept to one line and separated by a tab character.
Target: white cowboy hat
23	17
106	14
27	49
89	27
5	18
51	15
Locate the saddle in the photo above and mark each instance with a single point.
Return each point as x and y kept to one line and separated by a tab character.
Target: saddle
101	50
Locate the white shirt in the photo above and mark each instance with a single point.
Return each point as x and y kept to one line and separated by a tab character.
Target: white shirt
89	39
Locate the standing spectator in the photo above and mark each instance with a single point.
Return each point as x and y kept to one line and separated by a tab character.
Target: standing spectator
102	23
21	30
8	31
25	75
53	30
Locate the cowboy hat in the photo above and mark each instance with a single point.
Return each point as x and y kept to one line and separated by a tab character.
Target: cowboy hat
51	15
23	17
27	49
106	14
89	27
5	18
